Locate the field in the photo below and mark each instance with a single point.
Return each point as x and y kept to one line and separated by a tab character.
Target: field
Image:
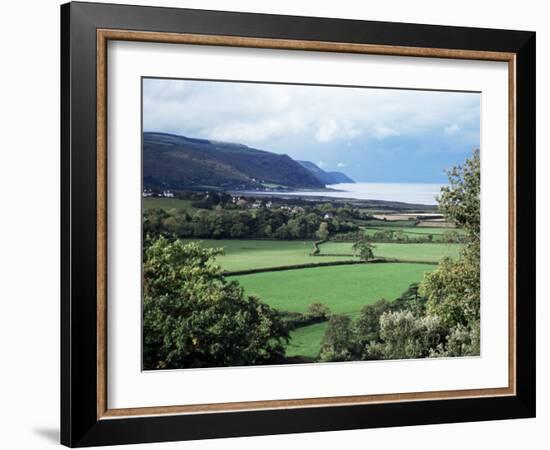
416	232
406	252
344	289
256	254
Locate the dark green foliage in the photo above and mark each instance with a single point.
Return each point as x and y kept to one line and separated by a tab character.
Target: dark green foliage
193	317
364	250
411	300
316	313
219	219
367	326
338	342
453	289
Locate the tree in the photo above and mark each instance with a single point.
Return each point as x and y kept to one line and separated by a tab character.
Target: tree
459	201
453	289
194	317
322	232
364	249
318	311
462	341
367	326
405	336
338	340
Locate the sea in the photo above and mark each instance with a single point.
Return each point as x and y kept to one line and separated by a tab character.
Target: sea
418	193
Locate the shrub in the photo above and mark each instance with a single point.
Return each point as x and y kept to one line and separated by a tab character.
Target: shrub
318	311
461	341
405	336
338	340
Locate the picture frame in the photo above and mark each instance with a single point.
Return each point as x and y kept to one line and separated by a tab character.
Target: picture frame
86	418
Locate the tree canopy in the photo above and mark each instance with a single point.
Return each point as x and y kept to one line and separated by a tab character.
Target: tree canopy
453	288
193	317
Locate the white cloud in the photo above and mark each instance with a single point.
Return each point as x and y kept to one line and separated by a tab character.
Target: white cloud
321	164
340	164
451	130
286	118
330	129
381	132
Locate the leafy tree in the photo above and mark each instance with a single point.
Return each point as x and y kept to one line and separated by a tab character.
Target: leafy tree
322	232
459	201
411	300
405	336
461	341
367	326
453	289
364	249
153	221
338	340
193	317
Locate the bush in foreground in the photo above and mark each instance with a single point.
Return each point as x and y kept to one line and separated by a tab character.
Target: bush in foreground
193	317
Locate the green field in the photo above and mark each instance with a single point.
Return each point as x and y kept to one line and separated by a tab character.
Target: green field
385	223
165	203
344	289
255	254
264	254
306	341
416	232
407	252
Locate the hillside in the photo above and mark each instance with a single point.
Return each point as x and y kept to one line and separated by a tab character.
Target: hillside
325	177
179	162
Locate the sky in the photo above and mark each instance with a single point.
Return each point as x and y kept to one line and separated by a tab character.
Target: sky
372	135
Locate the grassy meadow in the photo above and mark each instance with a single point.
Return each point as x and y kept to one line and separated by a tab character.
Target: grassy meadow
264	254
431	252
438	233
345	289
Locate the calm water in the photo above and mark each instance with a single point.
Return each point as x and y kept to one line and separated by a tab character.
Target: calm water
398	192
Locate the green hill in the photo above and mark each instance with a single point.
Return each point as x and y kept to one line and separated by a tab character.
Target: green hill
179	163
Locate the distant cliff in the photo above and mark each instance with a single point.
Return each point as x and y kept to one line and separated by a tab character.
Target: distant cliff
326	177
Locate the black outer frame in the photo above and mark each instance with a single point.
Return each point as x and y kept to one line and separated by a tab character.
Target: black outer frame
79	424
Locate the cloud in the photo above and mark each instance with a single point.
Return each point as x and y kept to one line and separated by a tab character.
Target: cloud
321	164
331	124
329	130
382	132
340	164
451	130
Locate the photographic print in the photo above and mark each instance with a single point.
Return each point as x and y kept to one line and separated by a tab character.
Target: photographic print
287	223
